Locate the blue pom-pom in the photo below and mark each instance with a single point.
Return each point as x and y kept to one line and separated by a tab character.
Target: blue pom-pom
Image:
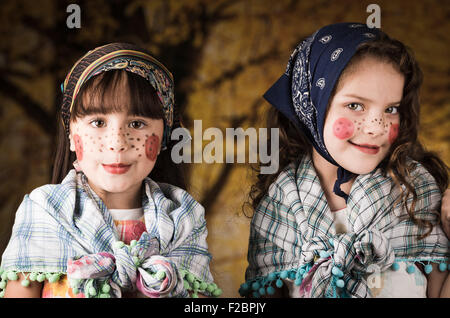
395	266
442	267
270	290
411	269
292	275
428	268
298	281
284	274
279	283
256	286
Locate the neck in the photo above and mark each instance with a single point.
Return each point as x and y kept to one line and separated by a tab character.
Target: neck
130	199
327	173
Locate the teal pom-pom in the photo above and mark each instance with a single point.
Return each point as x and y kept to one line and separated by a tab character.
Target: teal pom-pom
428	268
270	290
245	286
256	286
395	267
442	267
255	294
272	276
411	269
284	274
279	283
292	275
340	283
262	291
337	272
298	281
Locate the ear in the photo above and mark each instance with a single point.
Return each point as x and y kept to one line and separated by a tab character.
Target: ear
72	143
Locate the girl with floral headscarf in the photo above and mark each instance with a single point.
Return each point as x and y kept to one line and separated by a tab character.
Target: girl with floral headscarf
112	226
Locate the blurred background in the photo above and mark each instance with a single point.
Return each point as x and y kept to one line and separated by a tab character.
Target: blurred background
223	54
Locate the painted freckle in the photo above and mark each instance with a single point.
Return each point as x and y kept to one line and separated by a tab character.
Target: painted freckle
78	147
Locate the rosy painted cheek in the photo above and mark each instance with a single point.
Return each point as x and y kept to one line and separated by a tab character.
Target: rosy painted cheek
343	128
151	147
393	133
78	147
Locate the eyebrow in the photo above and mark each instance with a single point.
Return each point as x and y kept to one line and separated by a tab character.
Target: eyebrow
364	99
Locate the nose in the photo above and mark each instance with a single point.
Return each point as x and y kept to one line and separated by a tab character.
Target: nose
117	142
374	125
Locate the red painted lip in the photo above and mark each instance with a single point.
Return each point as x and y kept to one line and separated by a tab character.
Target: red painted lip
116	168
366	148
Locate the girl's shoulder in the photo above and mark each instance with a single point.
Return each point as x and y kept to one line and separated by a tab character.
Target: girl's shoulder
55	195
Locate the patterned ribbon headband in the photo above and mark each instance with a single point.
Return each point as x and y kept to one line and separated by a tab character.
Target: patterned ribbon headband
129	58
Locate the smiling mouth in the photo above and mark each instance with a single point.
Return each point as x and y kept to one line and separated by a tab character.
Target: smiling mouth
116	168
366	148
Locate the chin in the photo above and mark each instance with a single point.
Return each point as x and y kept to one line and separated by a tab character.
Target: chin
361	169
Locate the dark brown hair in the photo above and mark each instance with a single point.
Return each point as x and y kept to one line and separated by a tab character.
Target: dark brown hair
99	95
293	144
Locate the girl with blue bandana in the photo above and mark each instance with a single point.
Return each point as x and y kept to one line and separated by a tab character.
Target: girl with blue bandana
354	211
116	221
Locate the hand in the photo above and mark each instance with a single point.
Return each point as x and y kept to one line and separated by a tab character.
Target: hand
445	212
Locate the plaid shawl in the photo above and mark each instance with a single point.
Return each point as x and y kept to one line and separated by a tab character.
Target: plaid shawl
293	236
67	229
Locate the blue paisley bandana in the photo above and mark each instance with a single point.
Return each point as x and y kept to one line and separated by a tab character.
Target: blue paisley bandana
302	93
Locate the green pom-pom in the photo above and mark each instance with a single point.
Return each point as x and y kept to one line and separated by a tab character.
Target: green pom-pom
203	286
190	278
105	296
75	290
194	295
186	285
2	294
136	260
12	276
1	271
162	274
210	288
196	285
106	289
217	292
25	283
33	276
92	291
40	278
133	243
53	278
3	284
4	276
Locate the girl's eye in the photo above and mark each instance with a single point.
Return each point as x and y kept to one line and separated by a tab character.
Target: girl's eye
136	124
355	106
97	123
392	110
